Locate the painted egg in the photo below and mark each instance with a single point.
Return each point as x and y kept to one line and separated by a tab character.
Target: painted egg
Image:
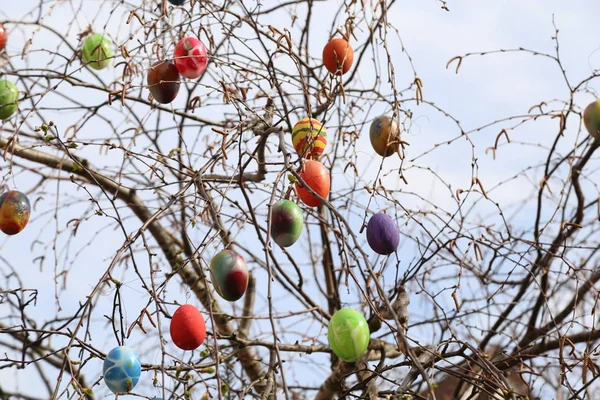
385	135
9	97
382	234
190	57
316	176
163	81
14	212
177	2
591	119
122	369
3	37
348	334
309	138
97	51
229	274
338	56
188	329
286	222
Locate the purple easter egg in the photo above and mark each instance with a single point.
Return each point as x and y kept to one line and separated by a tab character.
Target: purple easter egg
382	234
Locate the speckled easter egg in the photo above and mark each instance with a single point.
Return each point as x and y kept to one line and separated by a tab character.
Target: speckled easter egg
348	334
338	56
316	176
9	96
14	212
97	51
591	119
122	369
188	329
229	275
190	57
385	135
382	234
309	138
286	222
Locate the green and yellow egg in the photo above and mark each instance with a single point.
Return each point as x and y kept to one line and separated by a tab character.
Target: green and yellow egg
309	138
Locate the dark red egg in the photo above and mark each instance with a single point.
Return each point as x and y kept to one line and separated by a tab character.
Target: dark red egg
316	176
3	37
229	275
188	329
163	81
382	234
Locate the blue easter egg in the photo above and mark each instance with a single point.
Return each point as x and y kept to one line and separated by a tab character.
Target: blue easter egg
122	369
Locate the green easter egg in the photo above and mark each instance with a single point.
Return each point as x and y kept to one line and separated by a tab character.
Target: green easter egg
97	51
348	334
8	99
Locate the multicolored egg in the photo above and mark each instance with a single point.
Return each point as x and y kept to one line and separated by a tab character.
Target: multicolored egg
190	57
316	176
309	138
188	329
9	98
348	334
286	222
338	56
163	81
97	51
3	37
229	275
385	136
591	119
15	211
382	234
122	369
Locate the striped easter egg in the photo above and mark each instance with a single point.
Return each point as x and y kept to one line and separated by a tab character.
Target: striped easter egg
309	138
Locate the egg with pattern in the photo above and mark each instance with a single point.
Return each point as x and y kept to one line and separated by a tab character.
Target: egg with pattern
121	369
229	275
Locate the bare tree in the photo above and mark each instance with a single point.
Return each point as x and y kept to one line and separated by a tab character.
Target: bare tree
132	198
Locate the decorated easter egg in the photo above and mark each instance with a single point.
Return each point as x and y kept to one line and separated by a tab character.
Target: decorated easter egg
591	119
348	334
14	212
188	329
382	234
316	176
97	51
338	56
122	369
3	37
163	81
177	2
385	135
190	57
9	96
286	222
309	138
229	275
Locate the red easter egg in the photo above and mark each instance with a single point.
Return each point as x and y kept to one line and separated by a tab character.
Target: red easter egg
3	37
338	56
188	329
190	57
316	176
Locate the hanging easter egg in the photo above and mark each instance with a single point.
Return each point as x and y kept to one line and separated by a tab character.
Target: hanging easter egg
338	56
188	329
190	57
177	2
97	51
348	334
163	81
229	275
382	234
3	37
316	176
9	96
309	138
286	222
591	119
385	135
14	212
122	369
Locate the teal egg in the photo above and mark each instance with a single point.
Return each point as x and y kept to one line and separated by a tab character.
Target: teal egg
286	223
348	334
122	369
229	275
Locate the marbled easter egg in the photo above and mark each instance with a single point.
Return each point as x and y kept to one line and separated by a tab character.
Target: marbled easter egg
286	222
309	138
382	234
97	51
122	369
15	211
229	275
385	135
348	334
